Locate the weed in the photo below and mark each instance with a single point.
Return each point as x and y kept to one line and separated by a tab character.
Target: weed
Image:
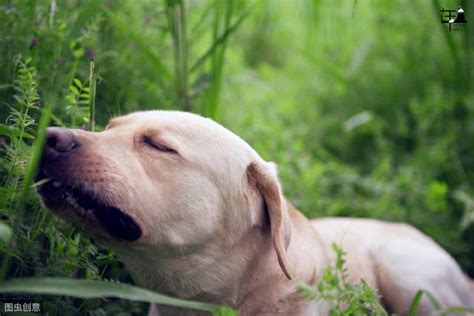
342	297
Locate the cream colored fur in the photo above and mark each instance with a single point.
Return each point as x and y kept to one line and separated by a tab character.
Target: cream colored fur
216	227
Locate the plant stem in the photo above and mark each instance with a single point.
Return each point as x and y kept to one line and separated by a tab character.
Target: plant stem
177	26
217	60
92	89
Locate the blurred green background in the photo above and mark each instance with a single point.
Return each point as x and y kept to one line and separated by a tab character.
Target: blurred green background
366	106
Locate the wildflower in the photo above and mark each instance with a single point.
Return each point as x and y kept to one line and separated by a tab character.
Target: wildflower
34	42
89	53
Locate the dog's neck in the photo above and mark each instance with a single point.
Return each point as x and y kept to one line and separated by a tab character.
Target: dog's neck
244	275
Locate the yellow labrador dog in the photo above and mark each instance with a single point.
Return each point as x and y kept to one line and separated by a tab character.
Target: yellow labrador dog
196	213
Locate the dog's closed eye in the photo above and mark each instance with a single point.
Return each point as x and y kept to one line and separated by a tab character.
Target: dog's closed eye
156	145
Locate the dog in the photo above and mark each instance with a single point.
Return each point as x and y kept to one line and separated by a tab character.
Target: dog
194	212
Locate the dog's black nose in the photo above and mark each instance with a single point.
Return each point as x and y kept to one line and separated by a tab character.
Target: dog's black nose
59	140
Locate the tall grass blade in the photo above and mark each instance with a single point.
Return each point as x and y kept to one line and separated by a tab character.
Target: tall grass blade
88	289
36	151
458	310
220	40
414	303
177	25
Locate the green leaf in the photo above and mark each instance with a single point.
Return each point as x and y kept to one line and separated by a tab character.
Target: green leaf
11	131
77	82
78	53
357	120
40	182
435	196
5	232
87	289
73	89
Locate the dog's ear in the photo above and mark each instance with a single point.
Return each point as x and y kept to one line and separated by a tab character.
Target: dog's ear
263	177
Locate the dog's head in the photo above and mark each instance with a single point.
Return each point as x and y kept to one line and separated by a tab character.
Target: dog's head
164	179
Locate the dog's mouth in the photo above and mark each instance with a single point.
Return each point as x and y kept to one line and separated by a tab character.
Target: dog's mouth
84	205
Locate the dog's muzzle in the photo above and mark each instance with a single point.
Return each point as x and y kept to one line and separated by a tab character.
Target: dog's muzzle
64	192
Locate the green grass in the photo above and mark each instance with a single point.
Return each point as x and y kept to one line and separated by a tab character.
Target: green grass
87	289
